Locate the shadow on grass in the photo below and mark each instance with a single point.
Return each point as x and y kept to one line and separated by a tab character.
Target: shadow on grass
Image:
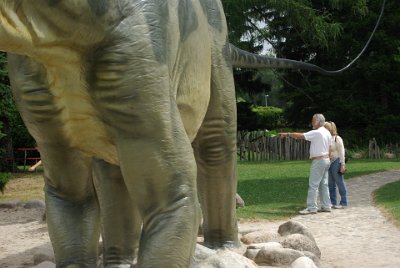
254	212
263	191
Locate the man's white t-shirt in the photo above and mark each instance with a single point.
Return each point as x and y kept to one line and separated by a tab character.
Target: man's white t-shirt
320	139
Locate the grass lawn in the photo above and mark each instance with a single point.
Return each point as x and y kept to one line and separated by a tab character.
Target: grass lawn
24	187
388	198
277	190
272	190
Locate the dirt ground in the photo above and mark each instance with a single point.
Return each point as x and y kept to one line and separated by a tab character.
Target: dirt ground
359	236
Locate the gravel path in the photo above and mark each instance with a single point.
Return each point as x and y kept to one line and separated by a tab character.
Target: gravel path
359	236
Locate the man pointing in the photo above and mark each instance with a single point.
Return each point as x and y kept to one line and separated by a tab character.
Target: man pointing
321	140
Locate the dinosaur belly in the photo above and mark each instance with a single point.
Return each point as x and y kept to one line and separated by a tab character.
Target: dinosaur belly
82	126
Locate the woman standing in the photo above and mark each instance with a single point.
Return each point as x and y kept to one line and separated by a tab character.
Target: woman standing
337	168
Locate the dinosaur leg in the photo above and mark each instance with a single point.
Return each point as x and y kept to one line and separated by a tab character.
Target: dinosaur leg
161	179
120	220
155	156
71	206
215	147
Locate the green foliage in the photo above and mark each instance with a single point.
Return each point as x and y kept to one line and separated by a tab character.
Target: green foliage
278	190
388	198
252	24
7	107
397	56
4	179
1	134
268	117
364	101
8	110
258	117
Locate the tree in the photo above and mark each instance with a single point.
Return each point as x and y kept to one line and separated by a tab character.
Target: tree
256	25
13	133
7	108
364	99
330	33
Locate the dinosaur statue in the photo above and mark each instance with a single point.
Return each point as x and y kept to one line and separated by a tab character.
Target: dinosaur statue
132	105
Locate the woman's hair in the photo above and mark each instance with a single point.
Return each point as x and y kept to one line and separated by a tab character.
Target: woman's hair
331	126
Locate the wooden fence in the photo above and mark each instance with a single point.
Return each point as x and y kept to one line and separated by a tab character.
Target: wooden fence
256	146
388	151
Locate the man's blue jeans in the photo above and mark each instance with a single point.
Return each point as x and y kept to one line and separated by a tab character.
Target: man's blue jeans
335	178
318	182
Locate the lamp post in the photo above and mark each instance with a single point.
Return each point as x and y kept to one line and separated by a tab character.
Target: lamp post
266	100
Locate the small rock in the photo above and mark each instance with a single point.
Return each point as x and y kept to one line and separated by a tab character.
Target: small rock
239	201
303	262
9	204
356	156
42	254
34	204
46	264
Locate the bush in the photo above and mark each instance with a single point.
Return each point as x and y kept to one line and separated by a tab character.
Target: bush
4	179
268	117
252	117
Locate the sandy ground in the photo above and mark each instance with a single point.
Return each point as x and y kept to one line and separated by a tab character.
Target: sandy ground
359	236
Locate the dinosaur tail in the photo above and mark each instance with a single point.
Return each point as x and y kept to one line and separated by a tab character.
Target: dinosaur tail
244	59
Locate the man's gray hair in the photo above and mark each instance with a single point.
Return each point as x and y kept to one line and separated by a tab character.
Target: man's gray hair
320	119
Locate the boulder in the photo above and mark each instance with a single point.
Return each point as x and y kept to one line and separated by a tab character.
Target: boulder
251	253
302	243
314	258
260	237
277	256
294	227
226	259
200	254
253	249
303	262
265	245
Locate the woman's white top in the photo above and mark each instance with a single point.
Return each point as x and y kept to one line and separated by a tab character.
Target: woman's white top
337	149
